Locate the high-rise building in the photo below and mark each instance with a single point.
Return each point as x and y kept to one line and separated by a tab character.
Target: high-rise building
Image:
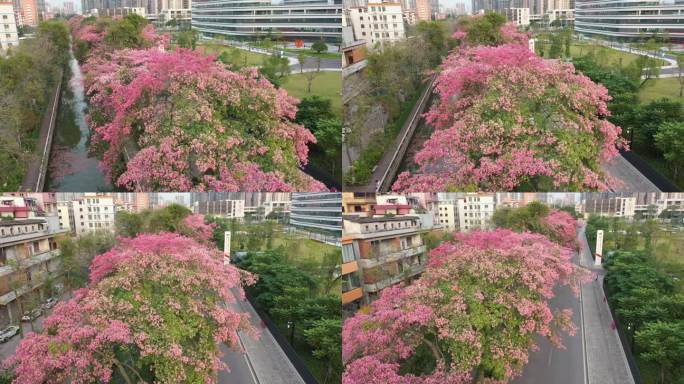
92	212
317	212
230	209
9	36
29	12
628	20
466	211
291	20
518	16
378	23
68	8
424	10
28	255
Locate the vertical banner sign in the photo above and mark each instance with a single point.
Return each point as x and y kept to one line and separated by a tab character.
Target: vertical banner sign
226	247
599	247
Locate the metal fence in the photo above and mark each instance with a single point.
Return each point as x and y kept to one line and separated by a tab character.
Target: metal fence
631	360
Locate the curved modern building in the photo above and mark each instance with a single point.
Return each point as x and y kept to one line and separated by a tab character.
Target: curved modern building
628	19
317	212
243	20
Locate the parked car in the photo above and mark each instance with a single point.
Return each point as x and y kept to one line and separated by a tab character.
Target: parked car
30	316
49	303
7	333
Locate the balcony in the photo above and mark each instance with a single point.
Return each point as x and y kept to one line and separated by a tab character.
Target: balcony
392	280
31	261
387	257
354	294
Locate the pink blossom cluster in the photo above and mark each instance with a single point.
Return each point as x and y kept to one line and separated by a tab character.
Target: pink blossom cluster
138	294
562	227
506	118
179	120
480	302
194	226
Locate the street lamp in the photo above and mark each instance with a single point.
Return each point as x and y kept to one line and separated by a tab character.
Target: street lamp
291	327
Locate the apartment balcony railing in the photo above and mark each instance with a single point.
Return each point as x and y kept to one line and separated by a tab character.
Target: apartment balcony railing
382	284
351	295
30	261
390	256
35	235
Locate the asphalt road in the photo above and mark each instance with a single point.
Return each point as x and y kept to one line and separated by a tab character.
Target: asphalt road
558	366
239	370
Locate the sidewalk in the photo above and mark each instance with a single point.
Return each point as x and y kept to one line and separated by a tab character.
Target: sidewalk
270	363
606	360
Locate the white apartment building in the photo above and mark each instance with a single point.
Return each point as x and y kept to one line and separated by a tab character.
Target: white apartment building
447	214
467	212
65	213
8	26
92	212
377	23
519	16
230	209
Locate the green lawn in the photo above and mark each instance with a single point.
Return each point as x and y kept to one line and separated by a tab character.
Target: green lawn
605	55
659	88
247	58
326	84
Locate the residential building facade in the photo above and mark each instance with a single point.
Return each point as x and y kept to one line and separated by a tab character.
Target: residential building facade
28	256
92	212
378	23
9	36
230	209
387	250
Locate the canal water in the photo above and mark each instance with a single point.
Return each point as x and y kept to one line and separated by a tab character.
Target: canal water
71	168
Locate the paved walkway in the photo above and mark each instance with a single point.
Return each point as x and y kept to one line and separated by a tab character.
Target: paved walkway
34	179
606	360
269	363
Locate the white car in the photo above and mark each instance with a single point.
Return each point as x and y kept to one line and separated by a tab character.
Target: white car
30	316
7	333
51	302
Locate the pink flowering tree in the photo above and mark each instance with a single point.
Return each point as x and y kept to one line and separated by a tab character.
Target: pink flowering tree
559	226
194	226
507	119
179	120
471	317
155	311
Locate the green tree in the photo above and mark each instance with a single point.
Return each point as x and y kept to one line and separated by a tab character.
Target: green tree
485	30
313	109
329	141
188	38
319	46
128	224
325	339
670	141
126	32
662	344
275	68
